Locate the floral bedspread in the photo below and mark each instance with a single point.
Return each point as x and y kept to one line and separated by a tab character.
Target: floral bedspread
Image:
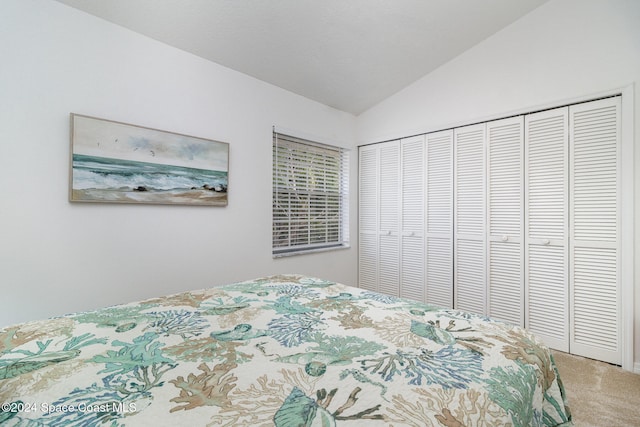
285	351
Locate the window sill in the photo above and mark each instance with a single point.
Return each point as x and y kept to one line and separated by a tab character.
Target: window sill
294	252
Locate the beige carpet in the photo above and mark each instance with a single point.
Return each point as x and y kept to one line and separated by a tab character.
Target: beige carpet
600	395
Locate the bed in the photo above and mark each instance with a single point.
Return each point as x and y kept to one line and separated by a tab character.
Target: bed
285	350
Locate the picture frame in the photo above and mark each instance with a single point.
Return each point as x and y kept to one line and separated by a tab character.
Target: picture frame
115	162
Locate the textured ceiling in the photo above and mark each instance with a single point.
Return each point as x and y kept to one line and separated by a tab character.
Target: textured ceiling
347	54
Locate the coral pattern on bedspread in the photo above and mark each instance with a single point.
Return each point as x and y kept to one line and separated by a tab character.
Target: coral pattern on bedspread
284	350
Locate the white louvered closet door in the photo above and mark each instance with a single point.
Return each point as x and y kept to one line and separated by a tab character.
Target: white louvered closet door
389	219
546	224
594	234
505	218
439	218
469	224
368	218
412	265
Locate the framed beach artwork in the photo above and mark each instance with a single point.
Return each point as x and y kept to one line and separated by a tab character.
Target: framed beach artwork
123	163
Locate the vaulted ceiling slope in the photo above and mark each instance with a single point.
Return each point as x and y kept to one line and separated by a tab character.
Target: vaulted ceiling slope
347	54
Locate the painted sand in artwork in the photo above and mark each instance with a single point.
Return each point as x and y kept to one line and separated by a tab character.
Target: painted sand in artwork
115	162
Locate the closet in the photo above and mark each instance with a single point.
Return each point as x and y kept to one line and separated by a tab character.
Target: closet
517	219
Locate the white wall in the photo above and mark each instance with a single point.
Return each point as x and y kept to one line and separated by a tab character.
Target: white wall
564	50
57	257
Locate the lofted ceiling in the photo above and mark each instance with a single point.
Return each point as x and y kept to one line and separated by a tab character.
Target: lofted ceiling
347	54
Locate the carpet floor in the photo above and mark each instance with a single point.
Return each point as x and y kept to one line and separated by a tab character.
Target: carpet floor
600	394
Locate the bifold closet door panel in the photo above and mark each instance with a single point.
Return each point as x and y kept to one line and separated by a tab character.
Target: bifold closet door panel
389	219
412	265
439	218
368	218
469	219
505	218
546	224
594	233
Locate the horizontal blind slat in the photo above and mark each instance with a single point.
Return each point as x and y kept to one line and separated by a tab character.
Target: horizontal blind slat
310	195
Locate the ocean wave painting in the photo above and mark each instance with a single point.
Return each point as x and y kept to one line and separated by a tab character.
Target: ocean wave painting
117	162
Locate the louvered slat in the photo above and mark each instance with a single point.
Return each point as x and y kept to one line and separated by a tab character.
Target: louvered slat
413	268
389	265
439	218
469	251
504	141
368	218
368	187
595	161
594	207
470	286
413	185
469	180
595	301
505	276
389	227
389	190
439	288
547	296
546	259
546	166
505	282
440	183
368	261
412	280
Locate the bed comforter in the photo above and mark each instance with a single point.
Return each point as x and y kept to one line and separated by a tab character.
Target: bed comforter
286	351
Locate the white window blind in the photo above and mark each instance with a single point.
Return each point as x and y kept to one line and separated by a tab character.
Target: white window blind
310	196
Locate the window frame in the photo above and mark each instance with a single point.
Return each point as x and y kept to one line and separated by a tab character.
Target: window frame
310	196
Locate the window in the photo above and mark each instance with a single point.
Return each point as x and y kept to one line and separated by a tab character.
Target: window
310	196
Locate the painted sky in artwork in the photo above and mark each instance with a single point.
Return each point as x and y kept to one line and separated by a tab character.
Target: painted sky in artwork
102	138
